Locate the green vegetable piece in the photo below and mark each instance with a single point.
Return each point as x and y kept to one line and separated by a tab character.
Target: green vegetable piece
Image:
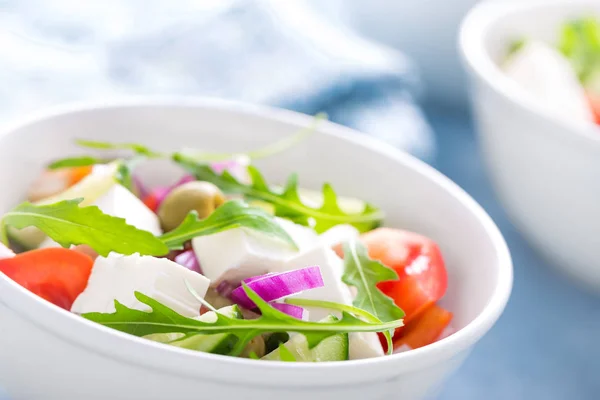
232	214
580	43
164	320
334	348
136	148
82	161
287	204
364	274
284	354
267	151
69	224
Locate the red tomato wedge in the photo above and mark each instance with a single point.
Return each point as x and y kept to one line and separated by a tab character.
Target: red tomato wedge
151	201
55	274
418	262
594	100
425	329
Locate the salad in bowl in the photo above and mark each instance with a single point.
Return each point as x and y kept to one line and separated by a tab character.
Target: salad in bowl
140	266
219	260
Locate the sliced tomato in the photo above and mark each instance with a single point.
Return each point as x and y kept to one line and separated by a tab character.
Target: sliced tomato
418	262
151	201
594	100
55	274
425	329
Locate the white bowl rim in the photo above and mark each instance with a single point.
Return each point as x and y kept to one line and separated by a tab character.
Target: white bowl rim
451	345
473	31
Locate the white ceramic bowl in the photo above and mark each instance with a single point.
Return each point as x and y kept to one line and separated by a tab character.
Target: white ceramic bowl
546	170
47	353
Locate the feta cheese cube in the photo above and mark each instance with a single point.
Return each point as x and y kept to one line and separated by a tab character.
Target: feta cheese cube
243	253
120	202
362	344
549	78
240	252
117	277
331	267
338	234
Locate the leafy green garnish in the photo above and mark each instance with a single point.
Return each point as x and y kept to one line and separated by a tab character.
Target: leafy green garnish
580	42
124	174
364	274
285	354
68	224
515	46
82	161
232	214
267	151
164	320
136	148
287	204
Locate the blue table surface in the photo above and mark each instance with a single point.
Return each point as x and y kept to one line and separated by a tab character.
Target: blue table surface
546	344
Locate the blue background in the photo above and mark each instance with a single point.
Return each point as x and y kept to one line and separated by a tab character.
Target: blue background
546	344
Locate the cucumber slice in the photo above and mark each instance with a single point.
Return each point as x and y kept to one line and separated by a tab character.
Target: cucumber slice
90	188
334	348
221	343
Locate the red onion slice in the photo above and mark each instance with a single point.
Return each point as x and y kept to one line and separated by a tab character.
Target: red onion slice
289	309
188	259
275	286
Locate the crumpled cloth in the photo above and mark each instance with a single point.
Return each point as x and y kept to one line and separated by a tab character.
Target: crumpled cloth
270	52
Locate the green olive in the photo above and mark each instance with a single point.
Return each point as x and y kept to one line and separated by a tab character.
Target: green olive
204	197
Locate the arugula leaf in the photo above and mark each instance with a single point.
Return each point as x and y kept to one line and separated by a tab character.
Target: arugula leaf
285	354
267	151
67	224
82	161
232	214
161	319
580	42
124	174
136	148
364	274
287	204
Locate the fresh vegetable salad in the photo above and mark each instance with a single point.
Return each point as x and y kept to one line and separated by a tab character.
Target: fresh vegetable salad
564	75
222	261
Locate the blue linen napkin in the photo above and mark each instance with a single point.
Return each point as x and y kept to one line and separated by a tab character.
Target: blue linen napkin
266	51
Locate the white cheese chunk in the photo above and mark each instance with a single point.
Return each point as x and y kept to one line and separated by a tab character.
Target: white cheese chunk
331	267
239	252
243	253
338	234
362	345
120	202
117	277
549	77
5	252
303	236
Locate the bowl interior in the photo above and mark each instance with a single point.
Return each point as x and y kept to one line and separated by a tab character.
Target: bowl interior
414	196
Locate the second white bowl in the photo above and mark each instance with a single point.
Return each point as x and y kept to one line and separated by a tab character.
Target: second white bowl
546	170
